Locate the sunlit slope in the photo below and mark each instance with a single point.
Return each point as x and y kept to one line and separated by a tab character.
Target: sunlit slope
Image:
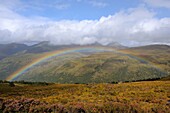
96	68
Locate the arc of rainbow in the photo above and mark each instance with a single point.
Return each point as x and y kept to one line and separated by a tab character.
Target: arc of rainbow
49	55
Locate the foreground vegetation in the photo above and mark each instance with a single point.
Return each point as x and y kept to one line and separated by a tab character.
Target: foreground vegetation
148	96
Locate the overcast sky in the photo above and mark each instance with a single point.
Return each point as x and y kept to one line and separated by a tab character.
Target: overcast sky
129	22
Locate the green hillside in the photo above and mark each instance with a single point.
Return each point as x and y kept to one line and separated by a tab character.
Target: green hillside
158	55
96	68
132	64
11	64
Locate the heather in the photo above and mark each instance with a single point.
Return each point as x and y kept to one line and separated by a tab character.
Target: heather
136	97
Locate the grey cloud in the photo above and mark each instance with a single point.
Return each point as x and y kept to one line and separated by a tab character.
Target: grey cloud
5	36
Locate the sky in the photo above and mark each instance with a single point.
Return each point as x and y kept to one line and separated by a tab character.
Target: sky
129	22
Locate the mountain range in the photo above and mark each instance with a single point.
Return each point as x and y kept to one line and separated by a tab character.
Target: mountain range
123	64
45	46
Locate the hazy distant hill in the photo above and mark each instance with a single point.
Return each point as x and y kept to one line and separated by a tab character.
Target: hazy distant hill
116	45
153	47
13	48
45	46
10	49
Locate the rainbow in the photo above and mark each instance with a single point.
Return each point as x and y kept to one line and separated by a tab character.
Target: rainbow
50	55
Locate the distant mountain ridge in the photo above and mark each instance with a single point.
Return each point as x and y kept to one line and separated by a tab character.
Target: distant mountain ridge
155	46
45	46
116	45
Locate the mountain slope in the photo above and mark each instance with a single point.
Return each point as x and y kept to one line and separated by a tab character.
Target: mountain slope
158	55
99	67
11	64
124	65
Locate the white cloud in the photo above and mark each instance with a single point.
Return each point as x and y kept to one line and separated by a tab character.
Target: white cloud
158	3
133	27
39	5
98	3
61	6
95	3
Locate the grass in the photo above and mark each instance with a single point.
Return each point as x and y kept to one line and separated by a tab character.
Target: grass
148	96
